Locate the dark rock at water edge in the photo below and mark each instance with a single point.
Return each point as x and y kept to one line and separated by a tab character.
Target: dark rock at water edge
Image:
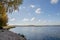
8	35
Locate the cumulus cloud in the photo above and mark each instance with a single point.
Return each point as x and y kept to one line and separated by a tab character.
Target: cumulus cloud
32	6
38	10
32	19
25	19
12	19
54	1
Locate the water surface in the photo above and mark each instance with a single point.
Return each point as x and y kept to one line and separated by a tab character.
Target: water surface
39	33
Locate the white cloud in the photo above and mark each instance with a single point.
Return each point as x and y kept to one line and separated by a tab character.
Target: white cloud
32	6
32	19
24	7
38	10
20	7
16	11
54	1
39	20
12	19
25	19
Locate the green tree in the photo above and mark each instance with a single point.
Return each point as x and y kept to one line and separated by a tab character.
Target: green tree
7	6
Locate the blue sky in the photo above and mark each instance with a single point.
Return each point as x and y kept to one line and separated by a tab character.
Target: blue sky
36	12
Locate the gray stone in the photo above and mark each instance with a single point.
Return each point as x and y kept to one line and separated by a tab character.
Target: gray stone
8	35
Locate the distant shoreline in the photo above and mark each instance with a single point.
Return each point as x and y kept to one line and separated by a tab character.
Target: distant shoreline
35	25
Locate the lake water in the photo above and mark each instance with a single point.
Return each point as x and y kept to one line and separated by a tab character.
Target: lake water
39	33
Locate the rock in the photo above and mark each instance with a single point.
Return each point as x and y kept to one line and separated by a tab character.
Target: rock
8	35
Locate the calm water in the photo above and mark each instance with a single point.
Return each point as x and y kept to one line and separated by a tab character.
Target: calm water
39	33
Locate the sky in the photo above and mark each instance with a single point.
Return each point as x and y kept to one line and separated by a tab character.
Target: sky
36	12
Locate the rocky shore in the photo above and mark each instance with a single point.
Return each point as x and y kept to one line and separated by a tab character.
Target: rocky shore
8	35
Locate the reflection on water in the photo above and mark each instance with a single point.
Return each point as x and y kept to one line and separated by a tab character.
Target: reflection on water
39	33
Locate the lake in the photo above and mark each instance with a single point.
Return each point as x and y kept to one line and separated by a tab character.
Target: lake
39	33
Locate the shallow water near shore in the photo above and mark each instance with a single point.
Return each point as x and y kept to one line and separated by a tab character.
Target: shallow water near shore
39	33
